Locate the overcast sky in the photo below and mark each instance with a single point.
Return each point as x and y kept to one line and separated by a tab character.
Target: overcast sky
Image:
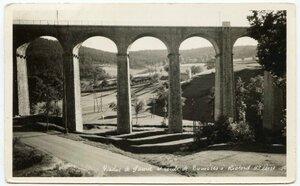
143	14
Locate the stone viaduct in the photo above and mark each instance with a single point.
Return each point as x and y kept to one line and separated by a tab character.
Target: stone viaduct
71	36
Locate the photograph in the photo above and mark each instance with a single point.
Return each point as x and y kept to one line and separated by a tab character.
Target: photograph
156	93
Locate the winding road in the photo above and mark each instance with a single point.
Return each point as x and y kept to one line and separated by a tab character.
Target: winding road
102	162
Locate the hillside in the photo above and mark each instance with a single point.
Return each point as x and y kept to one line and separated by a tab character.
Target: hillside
143	58
199	89
138	59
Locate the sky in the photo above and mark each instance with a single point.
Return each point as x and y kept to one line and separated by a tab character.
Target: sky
146	43
141	14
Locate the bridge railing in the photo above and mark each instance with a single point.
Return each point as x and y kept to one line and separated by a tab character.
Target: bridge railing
60	22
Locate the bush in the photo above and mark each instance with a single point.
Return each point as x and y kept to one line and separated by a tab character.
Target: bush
206	131
242	133
219	132
24	156
70	172
222	130
52	108
59	171
154	78
196	69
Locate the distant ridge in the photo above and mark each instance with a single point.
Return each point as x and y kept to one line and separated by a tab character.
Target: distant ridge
142	58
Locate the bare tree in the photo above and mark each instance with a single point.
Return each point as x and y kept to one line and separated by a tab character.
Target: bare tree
138	107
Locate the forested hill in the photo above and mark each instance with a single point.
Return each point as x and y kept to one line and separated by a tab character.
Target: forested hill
138	59
149	57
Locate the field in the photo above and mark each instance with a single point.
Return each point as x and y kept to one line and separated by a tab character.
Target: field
197	88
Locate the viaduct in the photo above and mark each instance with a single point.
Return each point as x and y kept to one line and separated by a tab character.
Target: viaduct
71	36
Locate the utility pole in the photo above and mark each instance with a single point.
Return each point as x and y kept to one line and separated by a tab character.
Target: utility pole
57	17
153	103
101	101
94	98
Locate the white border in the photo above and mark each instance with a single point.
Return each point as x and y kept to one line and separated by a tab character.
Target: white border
291	119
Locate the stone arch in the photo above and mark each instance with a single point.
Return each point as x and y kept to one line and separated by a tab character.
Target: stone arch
242	65
90	36
21	84
141	39
195	109
204	36
18	41
236	37
76	66
242	37
243	43
139	36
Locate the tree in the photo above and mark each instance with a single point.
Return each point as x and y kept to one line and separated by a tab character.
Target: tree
210	64
162	93
241	94
254	102
45	77
196	69
166	68
138	107
113	106
269	29
104	83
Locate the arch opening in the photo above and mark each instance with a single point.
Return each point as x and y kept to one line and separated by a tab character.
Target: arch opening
249	85
45	75
96	57
197	66
38	80
149	81
244	53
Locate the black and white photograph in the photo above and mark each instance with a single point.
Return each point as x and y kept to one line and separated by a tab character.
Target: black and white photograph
150	93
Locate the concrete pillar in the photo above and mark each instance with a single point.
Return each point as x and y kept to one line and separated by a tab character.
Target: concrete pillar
174	102
227	85
22	81
218	108
273	107
77	88
124	125
72	107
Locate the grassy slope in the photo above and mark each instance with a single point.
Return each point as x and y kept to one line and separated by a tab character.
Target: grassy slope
199	89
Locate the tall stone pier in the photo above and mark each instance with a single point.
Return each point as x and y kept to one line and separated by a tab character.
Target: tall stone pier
218	85
174	102
22	81
273	108
224	82
72	107
124	125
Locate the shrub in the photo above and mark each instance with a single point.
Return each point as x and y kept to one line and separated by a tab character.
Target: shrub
113	106
219	132
222	130
70	172
242	133
241	94
206	131
24	156
154	78
196	69
52	108
59	171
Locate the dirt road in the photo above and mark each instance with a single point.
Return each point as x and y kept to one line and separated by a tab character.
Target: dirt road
102	162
